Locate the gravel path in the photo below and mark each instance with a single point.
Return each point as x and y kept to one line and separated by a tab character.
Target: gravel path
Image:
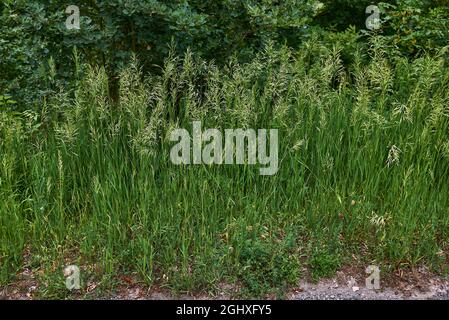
331	290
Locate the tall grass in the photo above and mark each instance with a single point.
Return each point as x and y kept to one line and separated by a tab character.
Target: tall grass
364	166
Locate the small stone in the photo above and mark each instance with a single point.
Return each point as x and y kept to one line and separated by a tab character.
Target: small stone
352	282
355	288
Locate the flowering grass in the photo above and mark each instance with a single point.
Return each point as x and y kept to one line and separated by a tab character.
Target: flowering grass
363	172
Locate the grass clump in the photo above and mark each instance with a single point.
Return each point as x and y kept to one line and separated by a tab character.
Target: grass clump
364	159
267	266
323	263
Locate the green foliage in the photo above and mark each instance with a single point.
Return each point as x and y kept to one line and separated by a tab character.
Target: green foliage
6	100
85	174
323	263
113	31
364	156
24	48
338	15
417	26
266	268
267	265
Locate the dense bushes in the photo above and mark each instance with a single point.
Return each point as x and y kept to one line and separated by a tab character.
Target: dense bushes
113	31
417	26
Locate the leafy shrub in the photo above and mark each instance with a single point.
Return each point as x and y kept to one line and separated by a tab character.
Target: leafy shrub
323	263
268	267
417	26
113	31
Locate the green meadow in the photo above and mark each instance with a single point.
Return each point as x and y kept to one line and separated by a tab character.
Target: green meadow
362	178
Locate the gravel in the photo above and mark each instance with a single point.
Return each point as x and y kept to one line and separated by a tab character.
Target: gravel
331	290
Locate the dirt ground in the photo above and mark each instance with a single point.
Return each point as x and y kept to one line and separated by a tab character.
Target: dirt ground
347	284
